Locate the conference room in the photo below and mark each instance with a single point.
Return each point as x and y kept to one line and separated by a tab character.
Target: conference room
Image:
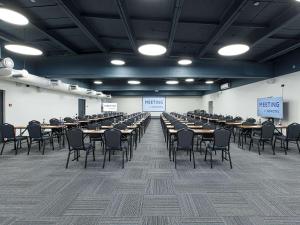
139	112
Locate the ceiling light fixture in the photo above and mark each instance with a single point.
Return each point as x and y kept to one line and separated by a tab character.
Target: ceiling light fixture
185	62
233	50
172	82
13	17
134	82
117	62
189	80
152	49
98	82
209	82
23	49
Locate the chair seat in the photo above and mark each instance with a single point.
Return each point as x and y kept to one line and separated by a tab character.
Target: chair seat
43	138
257	138
96	139
87	147
211	145
17	138
281	137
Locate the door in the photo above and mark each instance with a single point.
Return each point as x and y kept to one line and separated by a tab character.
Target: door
1	107
81	107
1	110
210	107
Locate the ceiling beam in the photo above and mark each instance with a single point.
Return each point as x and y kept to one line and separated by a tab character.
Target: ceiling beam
35	22
122	9
176	15
167	20
8	38
83	25
228	19
277	24
280	50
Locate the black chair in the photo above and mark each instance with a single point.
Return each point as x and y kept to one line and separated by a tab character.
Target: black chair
245	133
95	137
69	120
113	142
292	135
221	142
76	144
9	135
106	123
267	134
57	132
185	141
36	135
34	122
205	137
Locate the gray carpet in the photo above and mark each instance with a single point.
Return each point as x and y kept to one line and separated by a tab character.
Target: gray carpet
38	190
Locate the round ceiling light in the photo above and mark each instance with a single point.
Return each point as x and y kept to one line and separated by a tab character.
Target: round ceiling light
209	82
172	82
189	80
152	49
117	62
134	82
233	50
185	62
23	49
98	82
13	17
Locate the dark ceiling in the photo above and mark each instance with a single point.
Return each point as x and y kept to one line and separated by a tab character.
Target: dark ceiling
192	28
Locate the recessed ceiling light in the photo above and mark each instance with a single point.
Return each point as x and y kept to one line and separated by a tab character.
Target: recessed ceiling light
189	80
13	17
98	82
172	82
209	82
23	49
117	62
257	3
233	50
152	49
297	0
134	82
185	62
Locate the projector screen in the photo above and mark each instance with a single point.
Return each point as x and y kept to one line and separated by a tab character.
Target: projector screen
270	107
154	104
110	107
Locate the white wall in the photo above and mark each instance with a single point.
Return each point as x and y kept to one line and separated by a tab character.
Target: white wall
28	103
242	100
180	104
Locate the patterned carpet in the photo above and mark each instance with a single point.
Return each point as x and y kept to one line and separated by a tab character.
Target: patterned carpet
38	190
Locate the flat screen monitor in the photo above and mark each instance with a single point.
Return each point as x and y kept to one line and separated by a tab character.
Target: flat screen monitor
271	107
154	104
110	107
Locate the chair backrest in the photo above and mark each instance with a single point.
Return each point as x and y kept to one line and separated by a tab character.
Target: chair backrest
120	126
106	123
34	130
238	118
198	123
69	120
112	139
209	126
179	126
75	139
54	121
185	139
267	131
222	138
34	122
293	131
7	131
93	126
251	120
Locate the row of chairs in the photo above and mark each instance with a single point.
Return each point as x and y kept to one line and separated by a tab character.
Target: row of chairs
184	140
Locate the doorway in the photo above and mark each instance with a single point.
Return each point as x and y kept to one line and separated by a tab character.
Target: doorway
81	107
210	107
1	106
